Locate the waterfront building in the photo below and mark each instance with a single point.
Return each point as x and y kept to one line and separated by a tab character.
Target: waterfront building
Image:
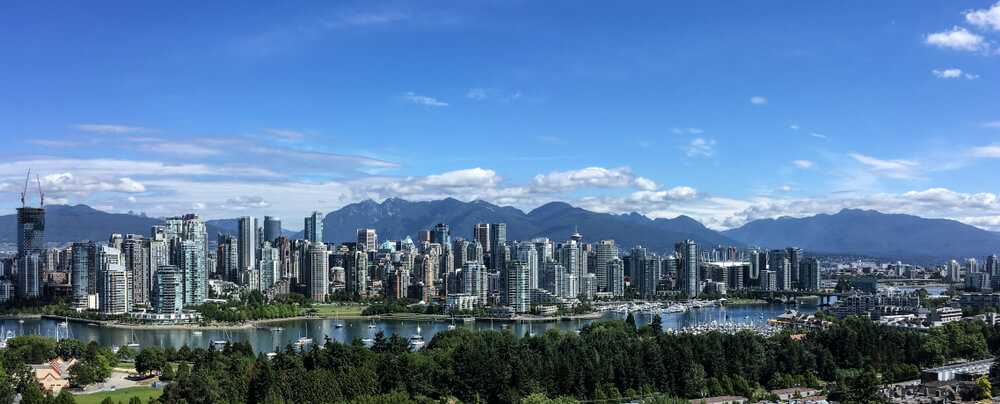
192	265
113	291
228	262
517	294
768	280
688	275
314	229
475	281
954	274
268	265
778	262
794	255
319	272
83	273
167	290
809	279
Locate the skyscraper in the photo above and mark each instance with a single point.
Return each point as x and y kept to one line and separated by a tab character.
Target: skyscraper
777	261
954	274
605	251
135	259
30	243
192	265
167	290
527	252
992	265
794	255
689	278
615	276
481	233
517	294
319	272
368	240
441	235
809	280
114	290
247	239
83	273
314	228
356	272
272	228
498	237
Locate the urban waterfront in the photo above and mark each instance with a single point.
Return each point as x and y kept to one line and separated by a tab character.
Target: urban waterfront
292	330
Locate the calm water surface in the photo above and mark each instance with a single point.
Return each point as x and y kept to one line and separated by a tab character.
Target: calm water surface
266	341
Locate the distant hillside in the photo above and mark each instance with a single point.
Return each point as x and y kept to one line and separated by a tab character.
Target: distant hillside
67	224
872	233
397	218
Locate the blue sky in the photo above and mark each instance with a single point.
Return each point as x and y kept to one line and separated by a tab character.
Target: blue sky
724	111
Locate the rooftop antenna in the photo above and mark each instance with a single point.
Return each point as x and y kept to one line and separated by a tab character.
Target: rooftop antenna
26	178
41	195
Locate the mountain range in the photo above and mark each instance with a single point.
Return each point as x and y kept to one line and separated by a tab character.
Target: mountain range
869	232
862	232
397	218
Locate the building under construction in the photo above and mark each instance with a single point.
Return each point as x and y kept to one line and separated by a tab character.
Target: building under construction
30	245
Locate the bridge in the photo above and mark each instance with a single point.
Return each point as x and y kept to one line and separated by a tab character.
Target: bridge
824	296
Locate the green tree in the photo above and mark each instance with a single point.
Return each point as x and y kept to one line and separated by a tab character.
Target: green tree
102	367
32	348
151	358
126	353
107	400
65	397
984	390
82	373
6	386
33	395
630	319
70	348
168	372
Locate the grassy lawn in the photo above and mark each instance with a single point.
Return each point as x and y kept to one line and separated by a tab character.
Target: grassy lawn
120	395
126	365
331	310
415	315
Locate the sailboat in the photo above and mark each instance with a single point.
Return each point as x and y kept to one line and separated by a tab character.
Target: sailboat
372	325
452	325
336	321
132	344
65	322
304	340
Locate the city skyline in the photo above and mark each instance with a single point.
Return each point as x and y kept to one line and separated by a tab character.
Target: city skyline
663	109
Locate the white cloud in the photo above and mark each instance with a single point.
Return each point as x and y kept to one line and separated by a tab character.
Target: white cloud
285	133
985	18
794	127
804	164
363	19
114	129
901	169
243	203
66	184
590	177
994	124
991	151
477	94
958	38
423	100
785	188
947	73
645	184
758	100
54	142
700	147
818	135
933	202
953	74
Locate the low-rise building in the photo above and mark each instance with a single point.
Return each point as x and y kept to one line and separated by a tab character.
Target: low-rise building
53	376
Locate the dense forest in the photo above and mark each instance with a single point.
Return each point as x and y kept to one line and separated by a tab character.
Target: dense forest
610	359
